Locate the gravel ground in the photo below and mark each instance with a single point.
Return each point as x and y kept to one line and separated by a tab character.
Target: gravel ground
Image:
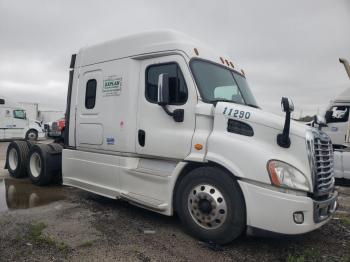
64	223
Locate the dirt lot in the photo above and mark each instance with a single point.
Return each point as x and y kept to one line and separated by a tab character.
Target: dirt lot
61	223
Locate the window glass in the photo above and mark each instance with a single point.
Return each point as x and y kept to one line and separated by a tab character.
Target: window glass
90	94
339	114
218	83
177	84
20	114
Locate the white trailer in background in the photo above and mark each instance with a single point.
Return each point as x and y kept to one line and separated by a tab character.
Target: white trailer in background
32	110
164	122
48	116
14	123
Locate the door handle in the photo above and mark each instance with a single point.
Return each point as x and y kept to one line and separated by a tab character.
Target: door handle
142	137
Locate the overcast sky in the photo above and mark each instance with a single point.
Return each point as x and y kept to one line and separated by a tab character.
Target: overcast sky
286	47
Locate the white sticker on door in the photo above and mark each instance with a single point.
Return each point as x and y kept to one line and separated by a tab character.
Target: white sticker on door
112	86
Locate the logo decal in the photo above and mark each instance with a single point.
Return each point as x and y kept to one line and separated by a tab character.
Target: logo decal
112	86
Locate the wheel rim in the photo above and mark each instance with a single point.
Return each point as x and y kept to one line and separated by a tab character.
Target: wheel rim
35	164
207	206
13	159
31	136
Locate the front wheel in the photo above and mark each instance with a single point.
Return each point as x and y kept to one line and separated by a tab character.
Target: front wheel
210	204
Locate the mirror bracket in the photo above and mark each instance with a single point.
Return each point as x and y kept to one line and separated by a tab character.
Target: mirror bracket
177	114
283	140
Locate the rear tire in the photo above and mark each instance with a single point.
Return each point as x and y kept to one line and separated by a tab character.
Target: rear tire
211	205
44	163
37	165
16	158
32	135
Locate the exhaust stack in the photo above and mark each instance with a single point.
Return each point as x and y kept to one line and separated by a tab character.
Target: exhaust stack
346	65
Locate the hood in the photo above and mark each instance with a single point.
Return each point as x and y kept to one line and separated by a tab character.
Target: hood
34	122
259	117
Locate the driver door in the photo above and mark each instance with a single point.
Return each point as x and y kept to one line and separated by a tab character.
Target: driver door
158	134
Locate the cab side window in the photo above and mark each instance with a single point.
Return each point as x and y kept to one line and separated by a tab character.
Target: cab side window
339	114
90	94
177	85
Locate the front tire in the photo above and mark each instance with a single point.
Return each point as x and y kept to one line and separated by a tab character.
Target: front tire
211	205
32	135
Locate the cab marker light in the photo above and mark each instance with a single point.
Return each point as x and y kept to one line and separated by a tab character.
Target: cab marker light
227	62
198	146
196	51
242	71
222	60
232	65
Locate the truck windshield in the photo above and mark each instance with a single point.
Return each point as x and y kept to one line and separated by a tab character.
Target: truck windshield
20	114
218	83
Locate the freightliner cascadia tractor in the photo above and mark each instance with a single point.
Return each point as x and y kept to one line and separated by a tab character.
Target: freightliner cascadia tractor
166	123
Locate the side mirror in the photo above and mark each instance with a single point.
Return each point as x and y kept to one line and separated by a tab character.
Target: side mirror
328	115
163	90
164	98
287	105
320	121
2	101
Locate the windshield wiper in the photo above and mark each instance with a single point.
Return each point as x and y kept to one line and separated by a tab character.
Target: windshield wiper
222	100
255	106
215	101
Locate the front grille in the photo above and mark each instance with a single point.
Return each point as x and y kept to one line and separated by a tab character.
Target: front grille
324	164
54	126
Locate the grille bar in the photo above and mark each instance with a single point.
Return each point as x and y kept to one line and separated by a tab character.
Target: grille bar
324	163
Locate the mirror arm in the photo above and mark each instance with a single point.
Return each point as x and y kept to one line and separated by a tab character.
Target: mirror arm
177	115
283	139
165	108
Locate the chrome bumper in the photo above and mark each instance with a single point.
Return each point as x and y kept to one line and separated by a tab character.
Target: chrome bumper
324	209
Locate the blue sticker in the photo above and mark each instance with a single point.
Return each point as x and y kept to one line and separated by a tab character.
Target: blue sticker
334	129
110	140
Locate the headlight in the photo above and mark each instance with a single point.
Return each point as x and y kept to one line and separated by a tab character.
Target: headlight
284	175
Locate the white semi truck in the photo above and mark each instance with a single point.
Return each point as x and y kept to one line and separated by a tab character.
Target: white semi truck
164	122
337	126
14	123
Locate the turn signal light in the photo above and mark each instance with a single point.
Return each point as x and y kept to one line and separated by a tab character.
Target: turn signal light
273	174
198	146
